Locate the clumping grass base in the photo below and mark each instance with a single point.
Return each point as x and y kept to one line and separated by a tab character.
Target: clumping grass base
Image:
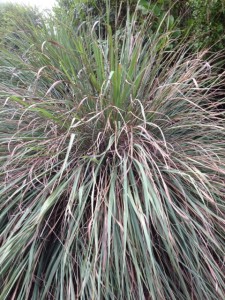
112	167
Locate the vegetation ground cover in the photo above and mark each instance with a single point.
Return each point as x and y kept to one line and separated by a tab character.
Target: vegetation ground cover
112	163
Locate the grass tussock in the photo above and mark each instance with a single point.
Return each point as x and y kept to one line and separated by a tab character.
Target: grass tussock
112	167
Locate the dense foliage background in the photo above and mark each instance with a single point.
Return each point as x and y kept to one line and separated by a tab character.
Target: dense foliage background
203	19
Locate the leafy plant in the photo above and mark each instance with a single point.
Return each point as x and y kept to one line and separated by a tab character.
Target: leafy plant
203	19
112	167
206	18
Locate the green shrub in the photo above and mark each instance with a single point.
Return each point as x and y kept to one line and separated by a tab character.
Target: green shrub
203	19
112	167
207	20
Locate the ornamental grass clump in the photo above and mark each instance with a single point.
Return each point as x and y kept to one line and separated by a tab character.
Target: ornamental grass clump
112	166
